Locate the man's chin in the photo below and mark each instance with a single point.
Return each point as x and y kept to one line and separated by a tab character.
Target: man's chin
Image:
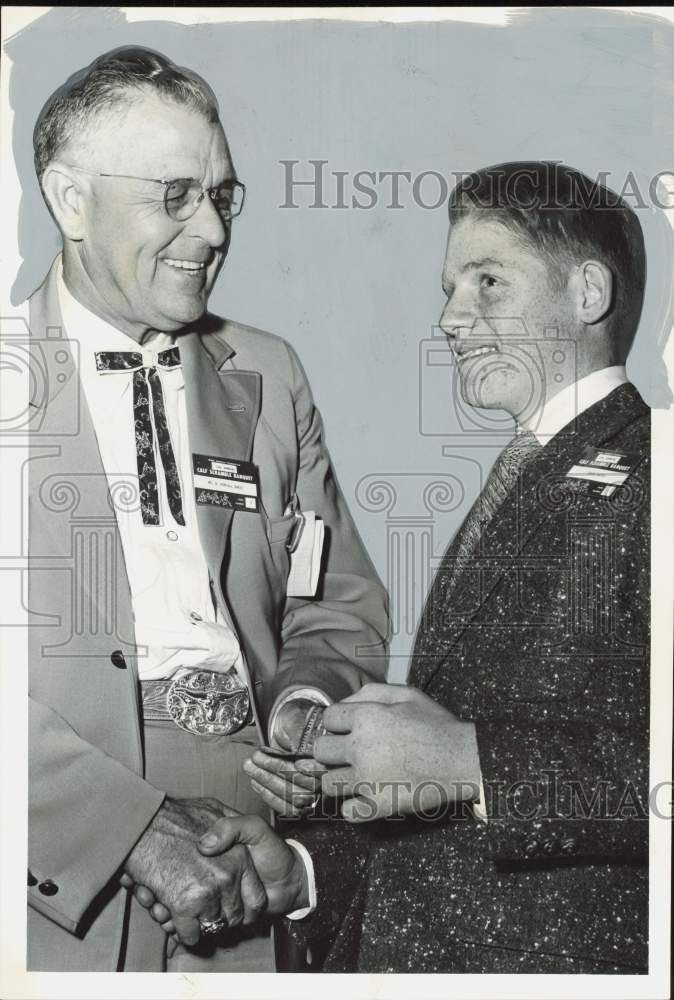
477	394
486	392
185	314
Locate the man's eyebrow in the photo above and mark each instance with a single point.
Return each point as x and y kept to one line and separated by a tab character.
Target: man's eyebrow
483	262
472	265
228	181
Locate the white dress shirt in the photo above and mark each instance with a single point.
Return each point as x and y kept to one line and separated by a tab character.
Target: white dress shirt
165	564
572	400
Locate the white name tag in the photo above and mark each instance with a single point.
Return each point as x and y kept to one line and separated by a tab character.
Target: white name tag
604	471
222	482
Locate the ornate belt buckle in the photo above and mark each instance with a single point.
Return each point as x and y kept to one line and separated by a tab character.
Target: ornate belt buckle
205	702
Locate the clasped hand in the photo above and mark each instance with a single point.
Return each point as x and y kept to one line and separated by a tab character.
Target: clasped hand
286	789
199	861
389	749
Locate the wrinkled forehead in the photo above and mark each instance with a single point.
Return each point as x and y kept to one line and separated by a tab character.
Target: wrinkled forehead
153	137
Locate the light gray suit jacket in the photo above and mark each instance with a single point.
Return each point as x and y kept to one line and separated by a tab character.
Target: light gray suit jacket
247	399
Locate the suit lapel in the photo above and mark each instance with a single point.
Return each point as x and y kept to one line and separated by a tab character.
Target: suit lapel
223	406
541	491
543	488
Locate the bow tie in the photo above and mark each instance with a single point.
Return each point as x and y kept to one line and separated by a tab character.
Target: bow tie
145	377
131	361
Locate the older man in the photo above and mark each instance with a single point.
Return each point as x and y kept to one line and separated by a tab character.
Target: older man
524	731
172	613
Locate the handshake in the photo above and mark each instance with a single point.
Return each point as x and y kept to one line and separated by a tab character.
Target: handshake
200	867
386	750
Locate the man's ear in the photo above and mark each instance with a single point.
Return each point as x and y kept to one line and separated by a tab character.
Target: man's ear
65	198
593	283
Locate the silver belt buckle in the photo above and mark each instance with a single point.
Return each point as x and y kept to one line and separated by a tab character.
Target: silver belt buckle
208	703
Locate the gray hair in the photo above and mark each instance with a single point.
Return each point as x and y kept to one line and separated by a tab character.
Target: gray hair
114	80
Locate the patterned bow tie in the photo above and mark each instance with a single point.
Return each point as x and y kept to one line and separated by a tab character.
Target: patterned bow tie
146	378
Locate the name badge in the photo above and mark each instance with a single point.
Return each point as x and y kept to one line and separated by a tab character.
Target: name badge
605	471
224	482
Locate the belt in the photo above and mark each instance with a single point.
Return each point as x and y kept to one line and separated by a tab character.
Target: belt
203	702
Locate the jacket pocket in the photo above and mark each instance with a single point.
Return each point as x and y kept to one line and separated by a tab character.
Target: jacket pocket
279	532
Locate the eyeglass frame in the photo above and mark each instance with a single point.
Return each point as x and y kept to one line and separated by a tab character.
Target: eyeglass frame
167	183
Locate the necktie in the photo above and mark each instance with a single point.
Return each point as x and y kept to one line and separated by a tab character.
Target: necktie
507	467
515	456
146	387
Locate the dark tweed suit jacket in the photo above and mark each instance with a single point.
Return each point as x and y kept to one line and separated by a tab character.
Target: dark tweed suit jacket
544	643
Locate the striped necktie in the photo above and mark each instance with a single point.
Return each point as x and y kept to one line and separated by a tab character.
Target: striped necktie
507	467
146	388
523	448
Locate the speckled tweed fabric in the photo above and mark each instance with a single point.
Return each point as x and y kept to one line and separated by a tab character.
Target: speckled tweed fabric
542	640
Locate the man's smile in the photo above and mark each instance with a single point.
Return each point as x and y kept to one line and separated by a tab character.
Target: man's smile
474	352
186	265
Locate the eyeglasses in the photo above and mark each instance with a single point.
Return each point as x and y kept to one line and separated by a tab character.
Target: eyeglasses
183	195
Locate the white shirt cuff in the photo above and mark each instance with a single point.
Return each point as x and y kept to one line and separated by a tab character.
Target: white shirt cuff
311	882
480	807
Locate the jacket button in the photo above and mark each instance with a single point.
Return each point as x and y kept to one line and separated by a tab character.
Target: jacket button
117	658
31	878
48	888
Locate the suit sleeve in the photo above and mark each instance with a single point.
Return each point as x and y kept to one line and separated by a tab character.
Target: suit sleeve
563	791
335	641
86	812
339	853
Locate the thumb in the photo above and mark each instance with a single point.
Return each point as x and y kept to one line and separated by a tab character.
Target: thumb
222	835
361	810
230	830
385	694
187	930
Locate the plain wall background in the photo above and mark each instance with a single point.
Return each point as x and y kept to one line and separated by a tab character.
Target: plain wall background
357	292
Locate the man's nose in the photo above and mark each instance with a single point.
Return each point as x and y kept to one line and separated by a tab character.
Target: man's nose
458	315
207	224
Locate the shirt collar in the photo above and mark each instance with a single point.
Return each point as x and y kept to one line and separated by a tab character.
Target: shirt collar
572	400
